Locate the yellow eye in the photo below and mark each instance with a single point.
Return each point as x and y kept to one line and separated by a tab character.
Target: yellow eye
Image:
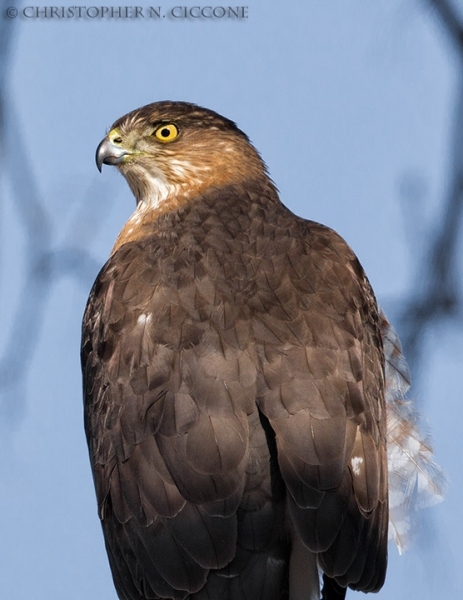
166	133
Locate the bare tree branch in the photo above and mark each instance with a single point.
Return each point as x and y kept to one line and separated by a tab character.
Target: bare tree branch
438	294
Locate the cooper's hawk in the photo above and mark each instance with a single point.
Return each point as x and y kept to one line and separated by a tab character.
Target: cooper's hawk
234	373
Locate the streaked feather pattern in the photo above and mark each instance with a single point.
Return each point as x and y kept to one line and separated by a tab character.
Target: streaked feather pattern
415	480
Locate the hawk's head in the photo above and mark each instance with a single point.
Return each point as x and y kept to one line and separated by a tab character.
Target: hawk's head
177	149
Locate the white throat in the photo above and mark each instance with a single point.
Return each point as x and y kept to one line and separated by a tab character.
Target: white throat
158	191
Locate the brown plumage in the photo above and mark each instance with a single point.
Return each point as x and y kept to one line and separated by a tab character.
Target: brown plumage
234	380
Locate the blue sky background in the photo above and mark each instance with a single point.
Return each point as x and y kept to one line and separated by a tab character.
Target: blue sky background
346	100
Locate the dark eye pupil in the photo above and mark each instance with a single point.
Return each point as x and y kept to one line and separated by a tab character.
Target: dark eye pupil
165	132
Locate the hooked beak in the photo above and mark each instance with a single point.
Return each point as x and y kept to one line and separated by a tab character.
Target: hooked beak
109	153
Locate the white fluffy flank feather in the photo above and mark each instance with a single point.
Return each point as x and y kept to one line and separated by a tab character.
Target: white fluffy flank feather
415	480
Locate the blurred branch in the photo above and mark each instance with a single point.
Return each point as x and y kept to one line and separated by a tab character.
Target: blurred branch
450	20
45	264
6	34
44	268
438	295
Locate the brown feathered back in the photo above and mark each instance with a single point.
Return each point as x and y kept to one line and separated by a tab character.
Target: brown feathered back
234	403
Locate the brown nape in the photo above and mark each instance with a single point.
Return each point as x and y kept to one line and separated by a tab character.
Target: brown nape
147	219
